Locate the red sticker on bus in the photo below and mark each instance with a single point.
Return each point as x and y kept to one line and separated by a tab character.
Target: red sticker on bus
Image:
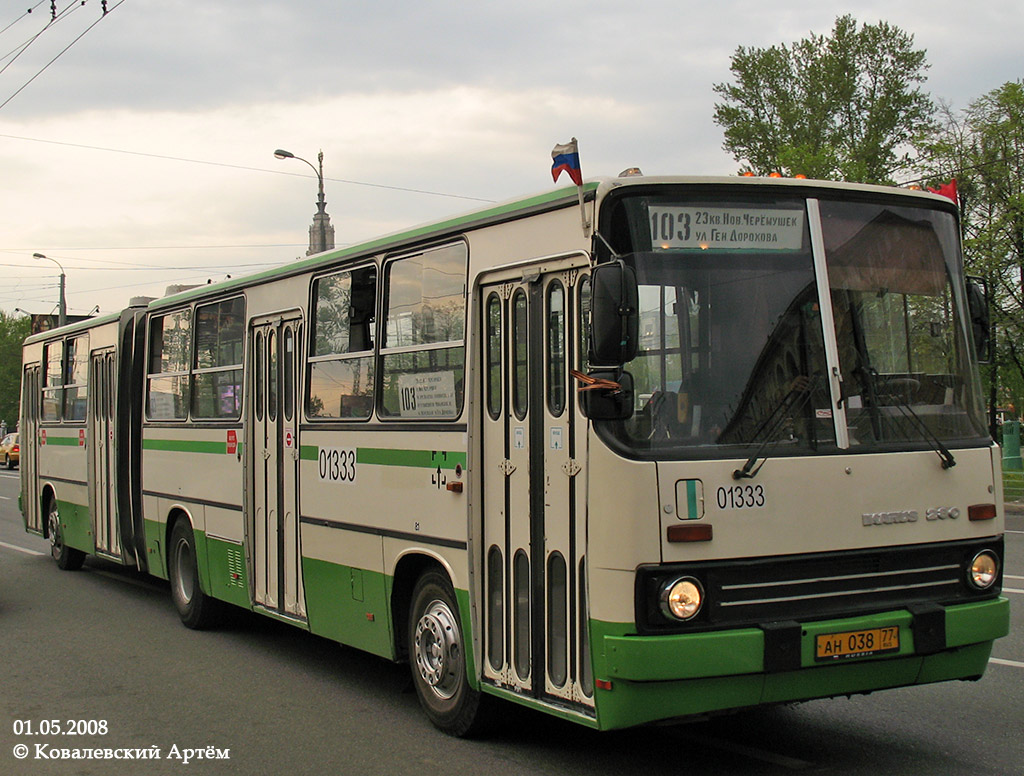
81	437
232	442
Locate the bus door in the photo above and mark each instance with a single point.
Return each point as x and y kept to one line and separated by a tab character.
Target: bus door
29	435
534	520
273	465
102	469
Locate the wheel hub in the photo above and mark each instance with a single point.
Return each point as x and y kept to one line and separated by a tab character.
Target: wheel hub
437	649
53	525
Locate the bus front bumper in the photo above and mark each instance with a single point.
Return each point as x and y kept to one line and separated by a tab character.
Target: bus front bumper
649	678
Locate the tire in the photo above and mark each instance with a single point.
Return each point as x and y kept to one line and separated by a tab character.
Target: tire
68	558
437	658
8	463
196	609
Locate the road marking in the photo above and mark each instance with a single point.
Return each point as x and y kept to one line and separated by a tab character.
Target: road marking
1011	576
20	549
5	498
1001	662
1012	590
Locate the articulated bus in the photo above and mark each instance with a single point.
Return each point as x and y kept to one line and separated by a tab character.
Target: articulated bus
649	449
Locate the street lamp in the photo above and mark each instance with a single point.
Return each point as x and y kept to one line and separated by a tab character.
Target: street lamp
62	316
321	217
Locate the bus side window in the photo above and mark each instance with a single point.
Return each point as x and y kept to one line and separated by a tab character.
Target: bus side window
170	342
423	353
341	372
53	381
217	367
76	388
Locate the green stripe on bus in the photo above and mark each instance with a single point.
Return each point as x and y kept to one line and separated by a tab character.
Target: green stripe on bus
185	446
424	459
62	441
380	456
691	500
428	459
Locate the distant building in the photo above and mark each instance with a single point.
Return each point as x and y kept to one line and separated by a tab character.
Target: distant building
321	231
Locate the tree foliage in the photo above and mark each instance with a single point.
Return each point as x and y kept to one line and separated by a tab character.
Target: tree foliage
13	330
983	148
843	106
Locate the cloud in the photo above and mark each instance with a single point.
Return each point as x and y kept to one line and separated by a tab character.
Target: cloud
391	146
448	96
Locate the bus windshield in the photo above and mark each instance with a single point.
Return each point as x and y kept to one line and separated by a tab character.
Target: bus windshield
733	341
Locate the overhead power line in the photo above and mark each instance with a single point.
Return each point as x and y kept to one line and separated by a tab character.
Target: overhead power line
103	16
241	166
27	13
20	48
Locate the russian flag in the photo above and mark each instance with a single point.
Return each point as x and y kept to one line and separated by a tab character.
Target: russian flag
567	159
947	190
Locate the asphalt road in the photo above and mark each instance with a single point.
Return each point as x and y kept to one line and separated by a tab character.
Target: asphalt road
102	649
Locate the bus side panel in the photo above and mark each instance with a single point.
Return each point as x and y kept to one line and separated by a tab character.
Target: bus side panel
348	604
76	521
351	544
225	561
154	539
62	470
192	470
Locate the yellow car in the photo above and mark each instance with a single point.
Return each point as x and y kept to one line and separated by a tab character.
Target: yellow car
10	451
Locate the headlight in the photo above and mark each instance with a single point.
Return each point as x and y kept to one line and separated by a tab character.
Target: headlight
984	570
681	598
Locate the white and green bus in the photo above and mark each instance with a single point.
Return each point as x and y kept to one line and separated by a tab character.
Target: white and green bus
720	445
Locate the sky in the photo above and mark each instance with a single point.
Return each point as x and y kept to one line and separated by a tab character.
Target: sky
142	156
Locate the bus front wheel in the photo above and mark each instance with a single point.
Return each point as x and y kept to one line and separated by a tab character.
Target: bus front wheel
68	558
196	609
438	660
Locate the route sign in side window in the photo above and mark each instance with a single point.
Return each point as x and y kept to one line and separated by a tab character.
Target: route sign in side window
424	350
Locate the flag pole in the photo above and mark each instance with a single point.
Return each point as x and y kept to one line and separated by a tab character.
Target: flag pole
583	211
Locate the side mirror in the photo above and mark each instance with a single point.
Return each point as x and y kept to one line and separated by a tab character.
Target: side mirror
615	316
607	395
981	323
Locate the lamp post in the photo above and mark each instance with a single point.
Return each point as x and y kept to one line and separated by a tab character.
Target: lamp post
321	219
62	315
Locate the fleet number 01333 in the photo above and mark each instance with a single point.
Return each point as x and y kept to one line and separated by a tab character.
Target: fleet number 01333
337	464
740	497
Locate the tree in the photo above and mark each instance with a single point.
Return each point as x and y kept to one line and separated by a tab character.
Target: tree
840	107
13	330
983	148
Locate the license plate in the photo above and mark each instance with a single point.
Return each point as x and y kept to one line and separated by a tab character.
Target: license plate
858	643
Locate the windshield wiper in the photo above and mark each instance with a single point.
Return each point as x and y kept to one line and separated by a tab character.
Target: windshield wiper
794	401
915	420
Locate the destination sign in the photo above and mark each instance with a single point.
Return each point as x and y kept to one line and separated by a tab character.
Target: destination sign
721	228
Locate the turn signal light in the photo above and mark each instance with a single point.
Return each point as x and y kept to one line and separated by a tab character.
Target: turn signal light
981	512
689	533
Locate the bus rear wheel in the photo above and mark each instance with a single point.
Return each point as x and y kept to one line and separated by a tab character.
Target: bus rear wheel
68	558
438	660
196	609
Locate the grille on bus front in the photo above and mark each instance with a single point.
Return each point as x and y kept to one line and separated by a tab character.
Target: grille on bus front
808	587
